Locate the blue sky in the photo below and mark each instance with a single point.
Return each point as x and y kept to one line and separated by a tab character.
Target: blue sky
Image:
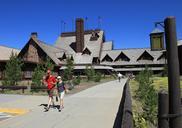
127	22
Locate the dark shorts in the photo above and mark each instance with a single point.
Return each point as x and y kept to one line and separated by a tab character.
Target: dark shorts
50	92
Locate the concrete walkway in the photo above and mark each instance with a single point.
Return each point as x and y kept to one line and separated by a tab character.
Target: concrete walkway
95	107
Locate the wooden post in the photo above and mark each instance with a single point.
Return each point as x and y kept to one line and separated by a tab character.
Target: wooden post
175	120
163	110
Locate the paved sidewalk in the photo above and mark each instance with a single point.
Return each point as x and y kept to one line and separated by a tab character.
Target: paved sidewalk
95	107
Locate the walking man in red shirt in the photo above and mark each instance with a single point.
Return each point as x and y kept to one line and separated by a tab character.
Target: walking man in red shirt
50	81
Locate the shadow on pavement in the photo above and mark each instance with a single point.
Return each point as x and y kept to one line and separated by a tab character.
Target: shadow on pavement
52	106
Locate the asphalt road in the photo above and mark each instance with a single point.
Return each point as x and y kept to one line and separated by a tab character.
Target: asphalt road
95	107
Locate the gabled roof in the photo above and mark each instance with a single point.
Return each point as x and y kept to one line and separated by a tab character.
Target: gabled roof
51	51
107	57
64	42
86	50
162	56
145	54
156	30
5	52
133	54
112	53
123	56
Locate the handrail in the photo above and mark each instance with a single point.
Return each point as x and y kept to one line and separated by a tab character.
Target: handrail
124	118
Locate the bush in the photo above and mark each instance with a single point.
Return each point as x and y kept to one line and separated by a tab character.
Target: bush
97	77
139	121
76	81
13	72
68	72
90	73
38	75
147	95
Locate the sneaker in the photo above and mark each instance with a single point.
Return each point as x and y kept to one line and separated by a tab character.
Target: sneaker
59	110
46	109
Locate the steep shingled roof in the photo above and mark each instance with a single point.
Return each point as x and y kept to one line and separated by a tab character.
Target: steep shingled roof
156	30
6	52
107	45
94	46
51	51
133	55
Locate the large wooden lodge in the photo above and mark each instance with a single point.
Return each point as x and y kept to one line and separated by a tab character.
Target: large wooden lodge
89	47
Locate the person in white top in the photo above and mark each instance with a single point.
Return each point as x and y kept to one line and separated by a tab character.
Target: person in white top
119	76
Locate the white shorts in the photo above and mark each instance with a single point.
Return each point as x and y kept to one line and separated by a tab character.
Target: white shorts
62	95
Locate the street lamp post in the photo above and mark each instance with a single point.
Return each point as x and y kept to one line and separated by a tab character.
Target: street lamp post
175	118
169	106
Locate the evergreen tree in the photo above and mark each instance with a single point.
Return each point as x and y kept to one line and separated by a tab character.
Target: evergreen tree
68	72
38	74
40	71
48	64
90	73
13	72
147	95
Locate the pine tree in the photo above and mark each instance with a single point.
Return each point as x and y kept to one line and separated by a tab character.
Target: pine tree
40	71
48	64
68	72
90	73
38	75
13	70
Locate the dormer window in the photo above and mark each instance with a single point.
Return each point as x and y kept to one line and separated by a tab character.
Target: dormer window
72	58
63	58
122	57
163	56
86	51
94	36
145	56
107	58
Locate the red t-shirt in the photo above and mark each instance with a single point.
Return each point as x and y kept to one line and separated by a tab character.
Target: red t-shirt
50	82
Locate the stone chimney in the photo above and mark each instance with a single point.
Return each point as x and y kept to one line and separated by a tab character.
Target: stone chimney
34	35
79	35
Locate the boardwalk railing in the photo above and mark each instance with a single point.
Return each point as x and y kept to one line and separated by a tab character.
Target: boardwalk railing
124	118
23	88
13	88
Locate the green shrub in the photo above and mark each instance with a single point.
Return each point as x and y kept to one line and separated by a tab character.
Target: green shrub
90	73
68	72
147	96
38	75
76	81
13	72
97	77
139	121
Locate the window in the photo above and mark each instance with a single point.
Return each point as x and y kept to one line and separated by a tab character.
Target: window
107	58
86	51
27	74
145	56
63	58
95	60
94	36
122	57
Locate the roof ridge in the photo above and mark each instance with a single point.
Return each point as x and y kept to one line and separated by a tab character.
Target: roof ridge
9	47
132	48
50	45
127	49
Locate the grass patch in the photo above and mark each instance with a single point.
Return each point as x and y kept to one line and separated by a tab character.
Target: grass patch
159	83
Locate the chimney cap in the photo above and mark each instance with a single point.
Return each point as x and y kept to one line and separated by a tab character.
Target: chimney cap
34	34
79	19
